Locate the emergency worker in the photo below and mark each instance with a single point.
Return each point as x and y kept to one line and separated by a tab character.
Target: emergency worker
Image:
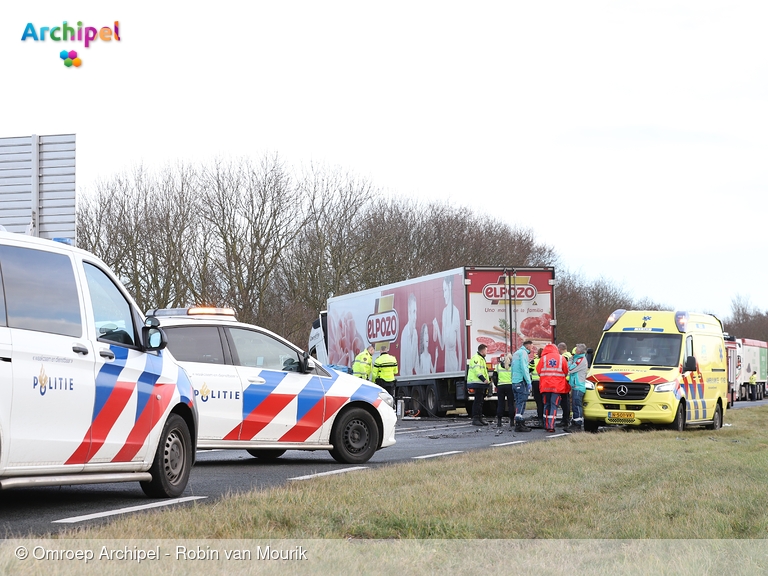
565	399
384	371
477	384
363	363
521	384
535	388
753	386
553	369
504	389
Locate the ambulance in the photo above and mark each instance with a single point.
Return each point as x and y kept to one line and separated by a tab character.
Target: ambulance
658	367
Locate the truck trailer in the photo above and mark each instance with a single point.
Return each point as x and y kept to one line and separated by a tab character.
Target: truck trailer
745	357
433	325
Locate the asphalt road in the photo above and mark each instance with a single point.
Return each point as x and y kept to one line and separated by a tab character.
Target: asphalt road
49	510
41	511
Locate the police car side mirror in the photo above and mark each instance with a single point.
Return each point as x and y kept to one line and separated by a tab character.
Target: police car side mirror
306	365
153	338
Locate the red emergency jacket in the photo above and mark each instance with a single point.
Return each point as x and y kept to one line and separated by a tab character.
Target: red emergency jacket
553	368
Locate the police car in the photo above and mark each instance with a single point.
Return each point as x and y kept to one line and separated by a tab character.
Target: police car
88	395
258	392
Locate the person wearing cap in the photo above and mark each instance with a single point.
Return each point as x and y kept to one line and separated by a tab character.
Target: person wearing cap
384	371
477	384
363	364
565	399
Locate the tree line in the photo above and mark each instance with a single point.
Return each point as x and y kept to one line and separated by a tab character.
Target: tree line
275	244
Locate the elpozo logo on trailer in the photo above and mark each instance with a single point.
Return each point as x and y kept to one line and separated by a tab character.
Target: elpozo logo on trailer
65	33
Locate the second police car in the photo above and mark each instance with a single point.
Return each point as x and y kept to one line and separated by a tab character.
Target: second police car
258	392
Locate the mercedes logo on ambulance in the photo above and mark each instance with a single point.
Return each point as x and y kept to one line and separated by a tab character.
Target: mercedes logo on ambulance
622	390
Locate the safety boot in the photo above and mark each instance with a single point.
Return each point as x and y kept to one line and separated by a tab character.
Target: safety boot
521	427
477	421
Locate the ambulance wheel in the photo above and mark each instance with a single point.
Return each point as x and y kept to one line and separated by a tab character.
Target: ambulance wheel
717	421
355	437
591	426
679	422
173	461
266	454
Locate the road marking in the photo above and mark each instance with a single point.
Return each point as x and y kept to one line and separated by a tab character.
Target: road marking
436	455
126	510
558	435
342	471
510	443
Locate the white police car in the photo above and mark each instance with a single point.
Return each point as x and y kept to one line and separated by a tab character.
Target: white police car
88	394
258	392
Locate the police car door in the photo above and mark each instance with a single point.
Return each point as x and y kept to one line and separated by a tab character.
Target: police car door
53	359
280	404
218	389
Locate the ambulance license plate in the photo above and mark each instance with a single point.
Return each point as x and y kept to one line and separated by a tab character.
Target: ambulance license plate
623	415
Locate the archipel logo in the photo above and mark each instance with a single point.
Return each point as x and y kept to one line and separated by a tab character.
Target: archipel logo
65	33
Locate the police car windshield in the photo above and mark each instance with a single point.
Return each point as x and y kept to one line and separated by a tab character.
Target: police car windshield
639	349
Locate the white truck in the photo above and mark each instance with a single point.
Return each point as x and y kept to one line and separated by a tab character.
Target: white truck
433	325
746	356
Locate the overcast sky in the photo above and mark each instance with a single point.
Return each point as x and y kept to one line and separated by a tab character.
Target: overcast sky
630	136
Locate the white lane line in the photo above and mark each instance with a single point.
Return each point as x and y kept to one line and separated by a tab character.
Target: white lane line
558	435
436	455
510	443
127	510
342	471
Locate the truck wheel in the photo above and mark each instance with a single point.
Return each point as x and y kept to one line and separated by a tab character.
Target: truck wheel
591	426
717	420
266	454
417	400
173	461
355	437
679	422
433	403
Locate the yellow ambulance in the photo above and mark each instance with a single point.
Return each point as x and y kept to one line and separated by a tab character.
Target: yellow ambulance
658	367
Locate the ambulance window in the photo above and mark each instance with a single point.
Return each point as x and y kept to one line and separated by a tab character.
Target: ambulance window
195	344
40	291
689	346
259	350
111	311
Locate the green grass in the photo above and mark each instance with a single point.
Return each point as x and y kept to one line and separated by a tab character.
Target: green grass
618	484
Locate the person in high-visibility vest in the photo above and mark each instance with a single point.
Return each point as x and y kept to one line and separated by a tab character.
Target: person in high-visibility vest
477	384
504	389
384	371
552	368
363	363
753	387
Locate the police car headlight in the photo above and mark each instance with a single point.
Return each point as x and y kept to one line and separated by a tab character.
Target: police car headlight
387	397
666	387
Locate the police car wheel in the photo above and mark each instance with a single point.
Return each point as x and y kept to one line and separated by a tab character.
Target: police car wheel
173	461
355	437
265	453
